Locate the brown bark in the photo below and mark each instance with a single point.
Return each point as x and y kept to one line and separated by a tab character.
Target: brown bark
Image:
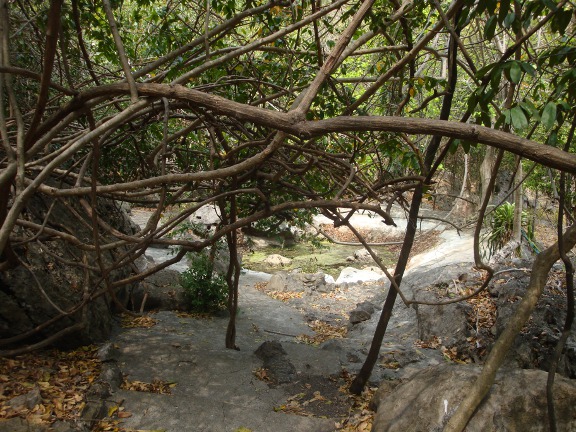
291	123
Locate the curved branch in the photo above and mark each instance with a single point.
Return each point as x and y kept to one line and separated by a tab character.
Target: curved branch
291	123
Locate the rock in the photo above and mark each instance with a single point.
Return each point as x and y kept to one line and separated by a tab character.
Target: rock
535	345
208	215
448	322
366	307
16	424
332	345
295	281
363	255
283	236
23	307
269	350
432	396
98	390
401	357
94	411
510	253
376	269
315	282
111	375
279	282
163	291
277	260
26	401
363	312
329	280
108	352
354	275
384	389
276	362
357	316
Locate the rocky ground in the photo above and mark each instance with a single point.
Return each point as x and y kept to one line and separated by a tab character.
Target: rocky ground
301	341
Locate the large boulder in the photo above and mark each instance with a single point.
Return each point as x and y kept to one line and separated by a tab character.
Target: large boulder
516	402
350	275
300	282
208	216
448	322
534	346
160	291
52	277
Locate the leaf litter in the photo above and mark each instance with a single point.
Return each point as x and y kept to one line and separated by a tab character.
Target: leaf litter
328	397
62	379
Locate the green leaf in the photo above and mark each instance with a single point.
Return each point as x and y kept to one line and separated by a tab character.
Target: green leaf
472	102
454	146
483	71
509	19
561	20
515	72
529	107
495	81
519	120
528	68
549	115
490	28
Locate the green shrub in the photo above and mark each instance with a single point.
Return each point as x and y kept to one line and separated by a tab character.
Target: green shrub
500	228
204	290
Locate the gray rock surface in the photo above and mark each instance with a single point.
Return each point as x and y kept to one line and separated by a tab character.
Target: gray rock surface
534	346
296	281
160	291
517	402
358	316
277	260
275	360
354	275
215	388
25	290
28	400
208	215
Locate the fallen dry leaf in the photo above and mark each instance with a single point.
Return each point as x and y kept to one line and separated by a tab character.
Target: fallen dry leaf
324	332
434	343
285	295
195	315
60	377
129	321
262	374
156	386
